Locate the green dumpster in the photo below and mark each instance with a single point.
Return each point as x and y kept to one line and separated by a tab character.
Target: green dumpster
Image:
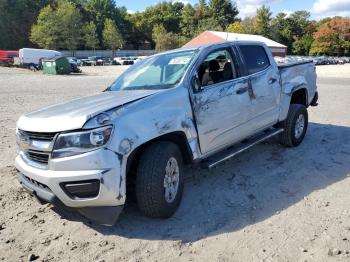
56	66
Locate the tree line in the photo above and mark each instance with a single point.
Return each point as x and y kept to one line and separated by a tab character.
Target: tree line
102	24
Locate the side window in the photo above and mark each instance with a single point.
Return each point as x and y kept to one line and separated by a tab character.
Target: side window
217	67
255	58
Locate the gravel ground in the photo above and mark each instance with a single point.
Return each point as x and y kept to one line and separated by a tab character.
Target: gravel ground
268	204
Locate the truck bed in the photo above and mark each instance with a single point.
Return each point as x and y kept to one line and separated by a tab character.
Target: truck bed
297	75
291	64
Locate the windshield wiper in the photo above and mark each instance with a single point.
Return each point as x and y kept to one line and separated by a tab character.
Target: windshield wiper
107	89
149	87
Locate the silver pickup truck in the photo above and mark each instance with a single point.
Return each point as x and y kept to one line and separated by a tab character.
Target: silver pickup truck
193	105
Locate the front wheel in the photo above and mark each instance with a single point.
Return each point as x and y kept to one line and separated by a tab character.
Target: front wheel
295	125
159	180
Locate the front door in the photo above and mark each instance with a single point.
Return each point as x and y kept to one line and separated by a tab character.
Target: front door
222	104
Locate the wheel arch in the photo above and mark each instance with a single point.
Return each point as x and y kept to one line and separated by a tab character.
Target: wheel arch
177	137
300	96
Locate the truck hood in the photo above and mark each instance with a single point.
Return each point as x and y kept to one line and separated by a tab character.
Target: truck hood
74	114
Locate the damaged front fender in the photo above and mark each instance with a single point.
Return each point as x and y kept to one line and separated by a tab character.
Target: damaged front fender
152	117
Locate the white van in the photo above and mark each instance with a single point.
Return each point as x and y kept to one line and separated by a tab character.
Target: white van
32	56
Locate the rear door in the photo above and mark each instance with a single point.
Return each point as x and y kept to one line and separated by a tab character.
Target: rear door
221	104
264	83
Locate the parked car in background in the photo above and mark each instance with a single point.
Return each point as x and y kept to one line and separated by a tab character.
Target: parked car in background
118	60
31	57
192	105
341	60
99	60
280	60
74	60
124	60
74	65
332	60
108	60
140	58
7	57
321	60
87	62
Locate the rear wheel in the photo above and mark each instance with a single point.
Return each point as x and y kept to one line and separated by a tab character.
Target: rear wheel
159	180
295	125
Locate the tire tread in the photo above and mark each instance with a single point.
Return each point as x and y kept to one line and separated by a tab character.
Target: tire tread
286	137
150	177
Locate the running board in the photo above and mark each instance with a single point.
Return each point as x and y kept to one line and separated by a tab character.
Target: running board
239	148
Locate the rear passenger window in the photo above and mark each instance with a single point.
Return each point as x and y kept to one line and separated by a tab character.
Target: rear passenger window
255	58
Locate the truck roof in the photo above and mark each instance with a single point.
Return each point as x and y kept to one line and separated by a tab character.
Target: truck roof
223	43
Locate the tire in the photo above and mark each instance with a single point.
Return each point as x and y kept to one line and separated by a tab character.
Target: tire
151	190
290	137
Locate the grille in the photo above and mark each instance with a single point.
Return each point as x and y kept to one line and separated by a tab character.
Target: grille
38	136
38	156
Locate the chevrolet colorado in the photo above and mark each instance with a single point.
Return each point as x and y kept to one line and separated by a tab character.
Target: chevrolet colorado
183	106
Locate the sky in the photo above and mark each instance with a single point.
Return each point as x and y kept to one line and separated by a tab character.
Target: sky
318	8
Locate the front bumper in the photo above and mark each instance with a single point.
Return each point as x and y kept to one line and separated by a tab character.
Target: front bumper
100	165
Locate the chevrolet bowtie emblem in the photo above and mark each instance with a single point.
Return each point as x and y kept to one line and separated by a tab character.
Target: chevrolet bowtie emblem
24	142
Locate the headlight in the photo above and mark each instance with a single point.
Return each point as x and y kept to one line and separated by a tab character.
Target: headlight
71	144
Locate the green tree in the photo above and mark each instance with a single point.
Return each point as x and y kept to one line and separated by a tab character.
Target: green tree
139	31
300	22
208	24
236	27
166	40
45	32
302	46
262	21
202	10
16	20
90	37
302	30
98	11
248	25
125	26
167	14
189	21
282	30
111	36
70	24
224	11
58	29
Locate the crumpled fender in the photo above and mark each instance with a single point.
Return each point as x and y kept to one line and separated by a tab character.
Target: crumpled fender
294	78
146	119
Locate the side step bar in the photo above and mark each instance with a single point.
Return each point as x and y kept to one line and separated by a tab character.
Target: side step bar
239	148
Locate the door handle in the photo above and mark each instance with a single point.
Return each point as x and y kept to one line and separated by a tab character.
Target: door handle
241	90
272	80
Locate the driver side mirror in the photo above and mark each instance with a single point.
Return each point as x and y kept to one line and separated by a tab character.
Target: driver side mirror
196	83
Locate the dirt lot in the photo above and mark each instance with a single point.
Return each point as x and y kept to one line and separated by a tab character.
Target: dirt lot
268	204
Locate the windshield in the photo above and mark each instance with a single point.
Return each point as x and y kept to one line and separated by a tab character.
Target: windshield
157	72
